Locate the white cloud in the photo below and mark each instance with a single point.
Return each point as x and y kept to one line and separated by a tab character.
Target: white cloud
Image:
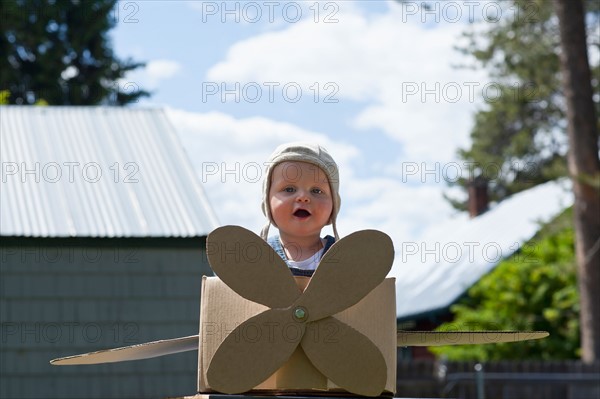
403	70
162	69
153	73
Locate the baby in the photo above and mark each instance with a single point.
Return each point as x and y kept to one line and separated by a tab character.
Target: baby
300	197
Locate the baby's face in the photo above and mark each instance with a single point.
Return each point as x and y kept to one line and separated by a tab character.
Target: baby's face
300	198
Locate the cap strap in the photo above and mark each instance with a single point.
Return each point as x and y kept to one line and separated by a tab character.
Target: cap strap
264	233
335	232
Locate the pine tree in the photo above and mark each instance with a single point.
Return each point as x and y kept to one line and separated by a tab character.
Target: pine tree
58	52
584	168
519	138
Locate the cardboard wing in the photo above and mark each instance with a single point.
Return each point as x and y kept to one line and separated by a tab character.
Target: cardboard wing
443	338
135	352
261	328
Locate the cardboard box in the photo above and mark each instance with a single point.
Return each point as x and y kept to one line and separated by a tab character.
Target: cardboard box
222	310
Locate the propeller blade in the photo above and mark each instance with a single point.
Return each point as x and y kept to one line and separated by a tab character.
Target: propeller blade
440	338
134	352
348	271
254	350
345	356
240	257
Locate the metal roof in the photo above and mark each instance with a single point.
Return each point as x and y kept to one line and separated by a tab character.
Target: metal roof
432	274
97	172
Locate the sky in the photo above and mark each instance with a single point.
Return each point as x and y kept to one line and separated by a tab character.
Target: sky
377	83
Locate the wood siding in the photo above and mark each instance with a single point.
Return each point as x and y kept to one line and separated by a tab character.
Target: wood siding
61	300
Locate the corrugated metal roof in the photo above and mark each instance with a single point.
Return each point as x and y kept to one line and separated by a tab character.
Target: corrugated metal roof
432	274
97	172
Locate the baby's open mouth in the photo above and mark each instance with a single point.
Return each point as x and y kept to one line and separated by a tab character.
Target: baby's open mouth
302	213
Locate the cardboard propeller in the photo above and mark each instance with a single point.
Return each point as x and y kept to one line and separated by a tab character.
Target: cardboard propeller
350	269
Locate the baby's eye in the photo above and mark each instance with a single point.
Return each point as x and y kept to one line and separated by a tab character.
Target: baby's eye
289	189
317	191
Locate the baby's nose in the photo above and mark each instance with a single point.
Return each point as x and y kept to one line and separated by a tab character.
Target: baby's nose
302	197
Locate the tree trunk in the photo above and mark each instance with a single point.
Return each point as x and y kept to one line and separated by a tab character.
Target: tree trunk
584	168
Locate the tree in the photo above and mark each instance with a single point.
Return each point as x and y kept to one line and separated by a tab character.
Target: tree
584	167
518	139
58	51
535	289
547	45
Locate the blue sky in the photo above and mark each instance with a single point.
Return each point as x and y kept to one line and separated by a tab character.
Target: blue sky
391	107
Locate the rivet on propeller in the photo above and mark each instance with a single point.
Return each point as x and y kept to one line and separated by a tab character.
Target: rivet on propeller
300	314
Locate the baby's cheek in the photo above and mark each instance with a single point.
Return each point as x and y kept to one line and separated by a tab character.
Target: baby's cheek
275	201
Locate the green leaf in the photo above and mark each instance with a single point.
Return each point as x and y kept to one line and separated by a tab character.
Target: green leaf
532	291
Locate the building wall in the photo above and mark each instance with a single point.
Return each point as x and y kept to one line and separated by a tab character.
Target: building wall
58	298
